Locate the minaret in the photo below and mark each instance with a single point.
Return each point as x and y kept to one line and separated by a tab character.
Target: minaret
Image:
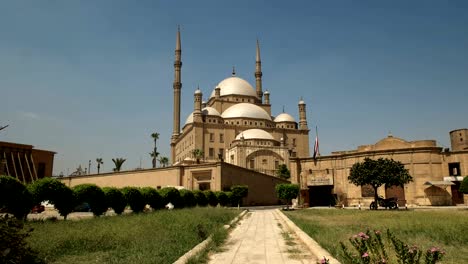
177	85
197	106
258	74
302	115
267	97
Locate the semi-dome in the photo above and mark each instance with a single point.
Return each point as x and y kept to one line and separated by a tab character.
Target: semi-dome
255	134
284	117
246	110
205	111
235	85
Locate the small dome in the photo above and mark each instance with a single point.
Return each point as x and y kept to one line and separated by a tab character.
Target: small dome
284	117
205	111
266	92
198	91
246	110
235	85
255	134
301	102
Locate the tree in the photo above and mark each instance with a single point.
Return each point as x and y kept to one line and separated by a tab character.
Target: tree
99	162
14	197
287	192
134	199
222	198
379	172
93	195
152	198
155	137
164	161
118	163
239	192
54	191
464	185
283	172
115	199
154	155
197	154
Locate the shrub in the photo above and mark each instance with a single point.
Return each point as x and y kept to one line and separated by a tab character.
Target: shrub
171	195
15	197
287	191
93	195
464	185
152	197
212	199
239	192
222	198
134	199
231	199
13	246
188	198
115	199
57	193
200	197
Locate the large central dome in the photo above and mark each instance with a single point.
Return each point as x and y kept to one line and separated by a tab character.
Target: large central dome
235	85
246	110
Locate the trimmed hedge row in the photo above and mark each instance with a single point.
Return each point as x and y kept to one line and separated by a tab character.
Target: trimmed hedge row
17	199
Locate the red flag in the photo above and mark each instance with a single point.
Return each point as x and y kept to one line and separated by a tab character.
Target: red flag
316	147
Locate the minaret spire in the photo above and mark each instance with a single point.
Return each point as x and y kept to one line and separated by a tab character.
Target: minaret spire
177	85
258	73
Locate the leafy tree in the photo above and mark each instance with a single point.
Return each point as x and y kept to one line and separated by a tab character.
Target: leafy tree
197	154
222	198
155	137
152	197
171	195
239	192
93	195
379	172
212	199
115	199
283	172
287	192
188	198
164	161
464	185
54	191
14	197
99	162
134	199
200	197
118	163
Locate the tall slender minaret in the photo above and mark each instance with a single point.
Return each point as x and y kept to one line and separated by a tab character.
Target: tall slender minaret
177	85
302	115
258	74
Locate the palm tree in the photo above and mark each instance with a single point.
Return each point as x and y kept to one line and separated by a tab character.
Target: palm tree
99	162
118	163
155	136
154	155
164	161
198	154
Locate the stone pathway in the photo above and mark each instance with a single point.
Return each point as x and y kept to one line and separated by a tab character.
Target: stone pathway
262	237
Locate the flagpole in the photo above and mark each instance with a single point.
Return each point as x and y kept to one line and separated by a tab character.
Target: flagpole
318	148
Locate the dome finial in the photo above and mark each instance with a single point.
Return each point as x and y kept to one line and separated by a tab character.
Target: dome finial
233	71
283	108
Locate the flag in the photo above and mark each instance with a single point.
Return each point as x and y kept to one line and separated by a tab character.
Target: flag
316	145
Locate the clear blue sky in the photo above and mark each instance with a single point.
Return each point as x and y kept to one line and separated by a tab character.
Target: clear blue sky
91	79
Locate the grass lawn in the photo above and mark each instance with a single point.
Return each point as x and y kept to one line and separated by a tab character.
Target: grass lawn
157	237
447	229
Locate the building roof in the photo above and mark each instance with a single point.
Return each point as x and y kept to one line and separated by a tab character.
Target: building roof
235	85
284	117
246	110
254	134
205	111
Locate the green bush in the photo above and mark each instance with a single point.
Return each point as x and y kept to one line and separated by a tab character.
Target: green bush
212	199
188	198
115	199
171	195
134	199
287	191
200	197
464	185
15	197
152	198
13	246
223	198
57	193
93	195
239	192
232	201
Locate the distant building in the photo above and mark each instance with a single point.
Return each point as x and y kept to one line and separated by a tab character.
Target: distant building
24	162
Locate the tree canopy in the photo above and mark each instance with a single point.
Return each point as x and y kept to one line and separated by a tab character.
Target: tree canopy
283	172
464	185
287	192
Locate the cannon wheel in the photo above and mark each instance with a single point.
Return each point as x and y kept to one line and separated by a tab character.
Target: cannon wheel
373	206
392	205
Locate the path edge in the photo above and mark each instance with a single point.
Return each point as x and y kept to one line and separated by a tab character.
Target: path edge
311	244
202	245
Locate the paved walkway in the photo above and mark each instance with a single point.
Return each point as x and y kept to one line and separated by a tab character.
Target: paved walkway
262	237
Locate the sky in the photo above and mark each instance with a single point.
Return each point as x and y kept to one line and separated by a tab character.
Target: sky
93	79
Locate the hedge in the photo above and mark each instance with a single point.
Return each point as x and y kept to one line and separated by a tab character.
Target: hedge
171	195
188	198
15	197
134	199
115	199
200	198
211	197
223	198
152	198
93	195
57	193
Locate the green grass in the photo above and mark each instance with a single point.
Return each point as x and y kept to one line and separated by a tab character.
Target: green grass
447	229
157	237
